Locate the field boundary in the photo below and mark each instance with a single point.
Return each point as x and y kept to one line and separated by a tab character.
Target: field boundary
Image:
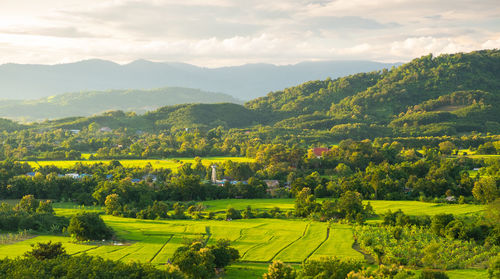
289	244
163	246
322	242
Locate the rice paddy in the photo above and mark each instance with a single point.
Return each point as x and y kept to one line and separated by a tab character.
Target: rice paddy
259	241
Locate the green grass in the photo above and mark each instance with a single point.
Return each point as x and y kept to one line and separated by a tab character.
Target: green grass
19	248
339	243
380	207
246	270
312	239
259	241
171	163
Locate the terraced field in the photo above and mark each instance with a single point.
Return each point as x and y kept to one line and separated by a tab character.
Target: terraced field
258	240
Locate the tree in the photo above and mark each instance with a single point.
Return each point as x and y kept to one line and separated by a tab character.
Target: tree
89	226
112	204
446	147
42	251
350	204
331	268
278	270
485	190
45	207
223	253
232	214
195	260
305	203
28	203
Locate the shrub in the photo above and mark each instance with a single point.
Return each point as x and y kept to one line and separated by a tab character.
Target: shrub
89	226
43	251
278	270
433	274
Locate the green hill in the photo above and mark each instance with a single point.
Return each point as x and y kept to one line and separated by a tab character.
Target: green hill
445	95
95	102
430	96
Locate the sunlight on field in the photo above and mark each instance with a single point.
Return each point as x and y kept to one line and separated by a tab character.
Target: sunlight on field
172	163
380	207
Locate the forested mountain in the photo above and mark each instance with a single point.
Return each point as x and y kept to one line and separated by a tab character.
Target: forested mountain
94	102
442	95
430	96
243	82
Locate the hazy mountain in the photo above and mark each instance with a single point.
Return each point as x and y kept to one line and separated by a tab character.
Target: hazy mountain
94	102
243	82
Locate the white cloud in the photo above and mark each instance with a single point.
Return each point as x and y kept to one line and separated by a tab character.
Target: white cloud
225	32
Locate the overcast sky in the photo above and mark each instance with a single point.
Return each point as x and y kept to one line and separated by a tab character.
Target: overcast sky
215	33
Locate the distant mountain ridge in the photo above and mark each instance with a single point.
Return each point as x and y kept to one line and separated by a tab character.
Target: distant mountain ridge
25	81
94	102
452	95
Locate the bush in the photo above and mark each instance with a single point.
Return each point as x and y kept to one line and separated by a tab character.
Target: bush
232	214
433	274
44	251
89	226
76	267
278	270
332	268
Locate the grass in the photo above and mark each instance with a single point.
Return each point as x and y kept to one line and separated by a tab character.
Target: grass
259	241
379	206
171	163
312	239
339	243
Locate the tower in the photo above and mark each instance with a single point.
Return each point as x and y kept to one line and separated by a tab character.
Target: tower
214	173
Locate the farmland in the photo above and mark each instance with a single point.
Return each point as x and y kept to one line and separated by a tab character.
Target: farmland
379	206
259	241
170	163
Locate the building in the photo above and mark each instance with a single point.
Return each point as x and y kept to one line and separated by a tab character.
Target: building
318	151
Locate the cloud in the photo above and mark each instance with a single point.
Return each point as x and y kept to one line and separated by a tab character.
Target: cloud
227	32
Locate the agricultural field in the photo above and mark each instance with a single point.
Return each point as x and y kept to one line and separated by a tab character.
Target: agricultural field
170	163
379	206
259	241
154	241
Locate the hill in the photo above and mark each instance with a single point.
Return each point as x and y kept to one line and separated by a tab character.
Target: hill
243	82
451	94
95	102
444	95
179	117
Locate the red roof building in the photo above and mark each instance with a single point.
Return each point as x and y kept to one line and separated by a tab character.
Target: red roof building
318	151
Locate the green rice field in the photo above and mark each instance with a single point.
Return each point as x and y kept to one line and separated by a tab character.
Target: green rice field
259	241
380	206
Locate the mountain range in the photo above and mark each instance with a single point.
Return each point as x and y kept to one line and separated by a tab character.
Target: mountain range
88	103
24	81
452	94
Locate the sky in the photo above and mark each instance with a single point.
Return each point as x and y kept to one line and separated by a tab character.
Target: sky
215	33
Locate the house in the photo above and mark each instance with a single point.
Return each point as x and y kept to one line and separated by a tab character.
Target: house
76	175
272	183
105	130
32	174
74	131
136	180
72	175
150	177
318	151
451	199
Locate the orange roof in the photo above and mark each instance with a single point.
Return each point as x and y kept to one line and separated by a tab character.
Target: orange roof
318	151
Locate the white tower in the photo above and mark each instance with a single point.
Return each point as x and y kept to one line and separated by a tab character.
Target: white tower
214	174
